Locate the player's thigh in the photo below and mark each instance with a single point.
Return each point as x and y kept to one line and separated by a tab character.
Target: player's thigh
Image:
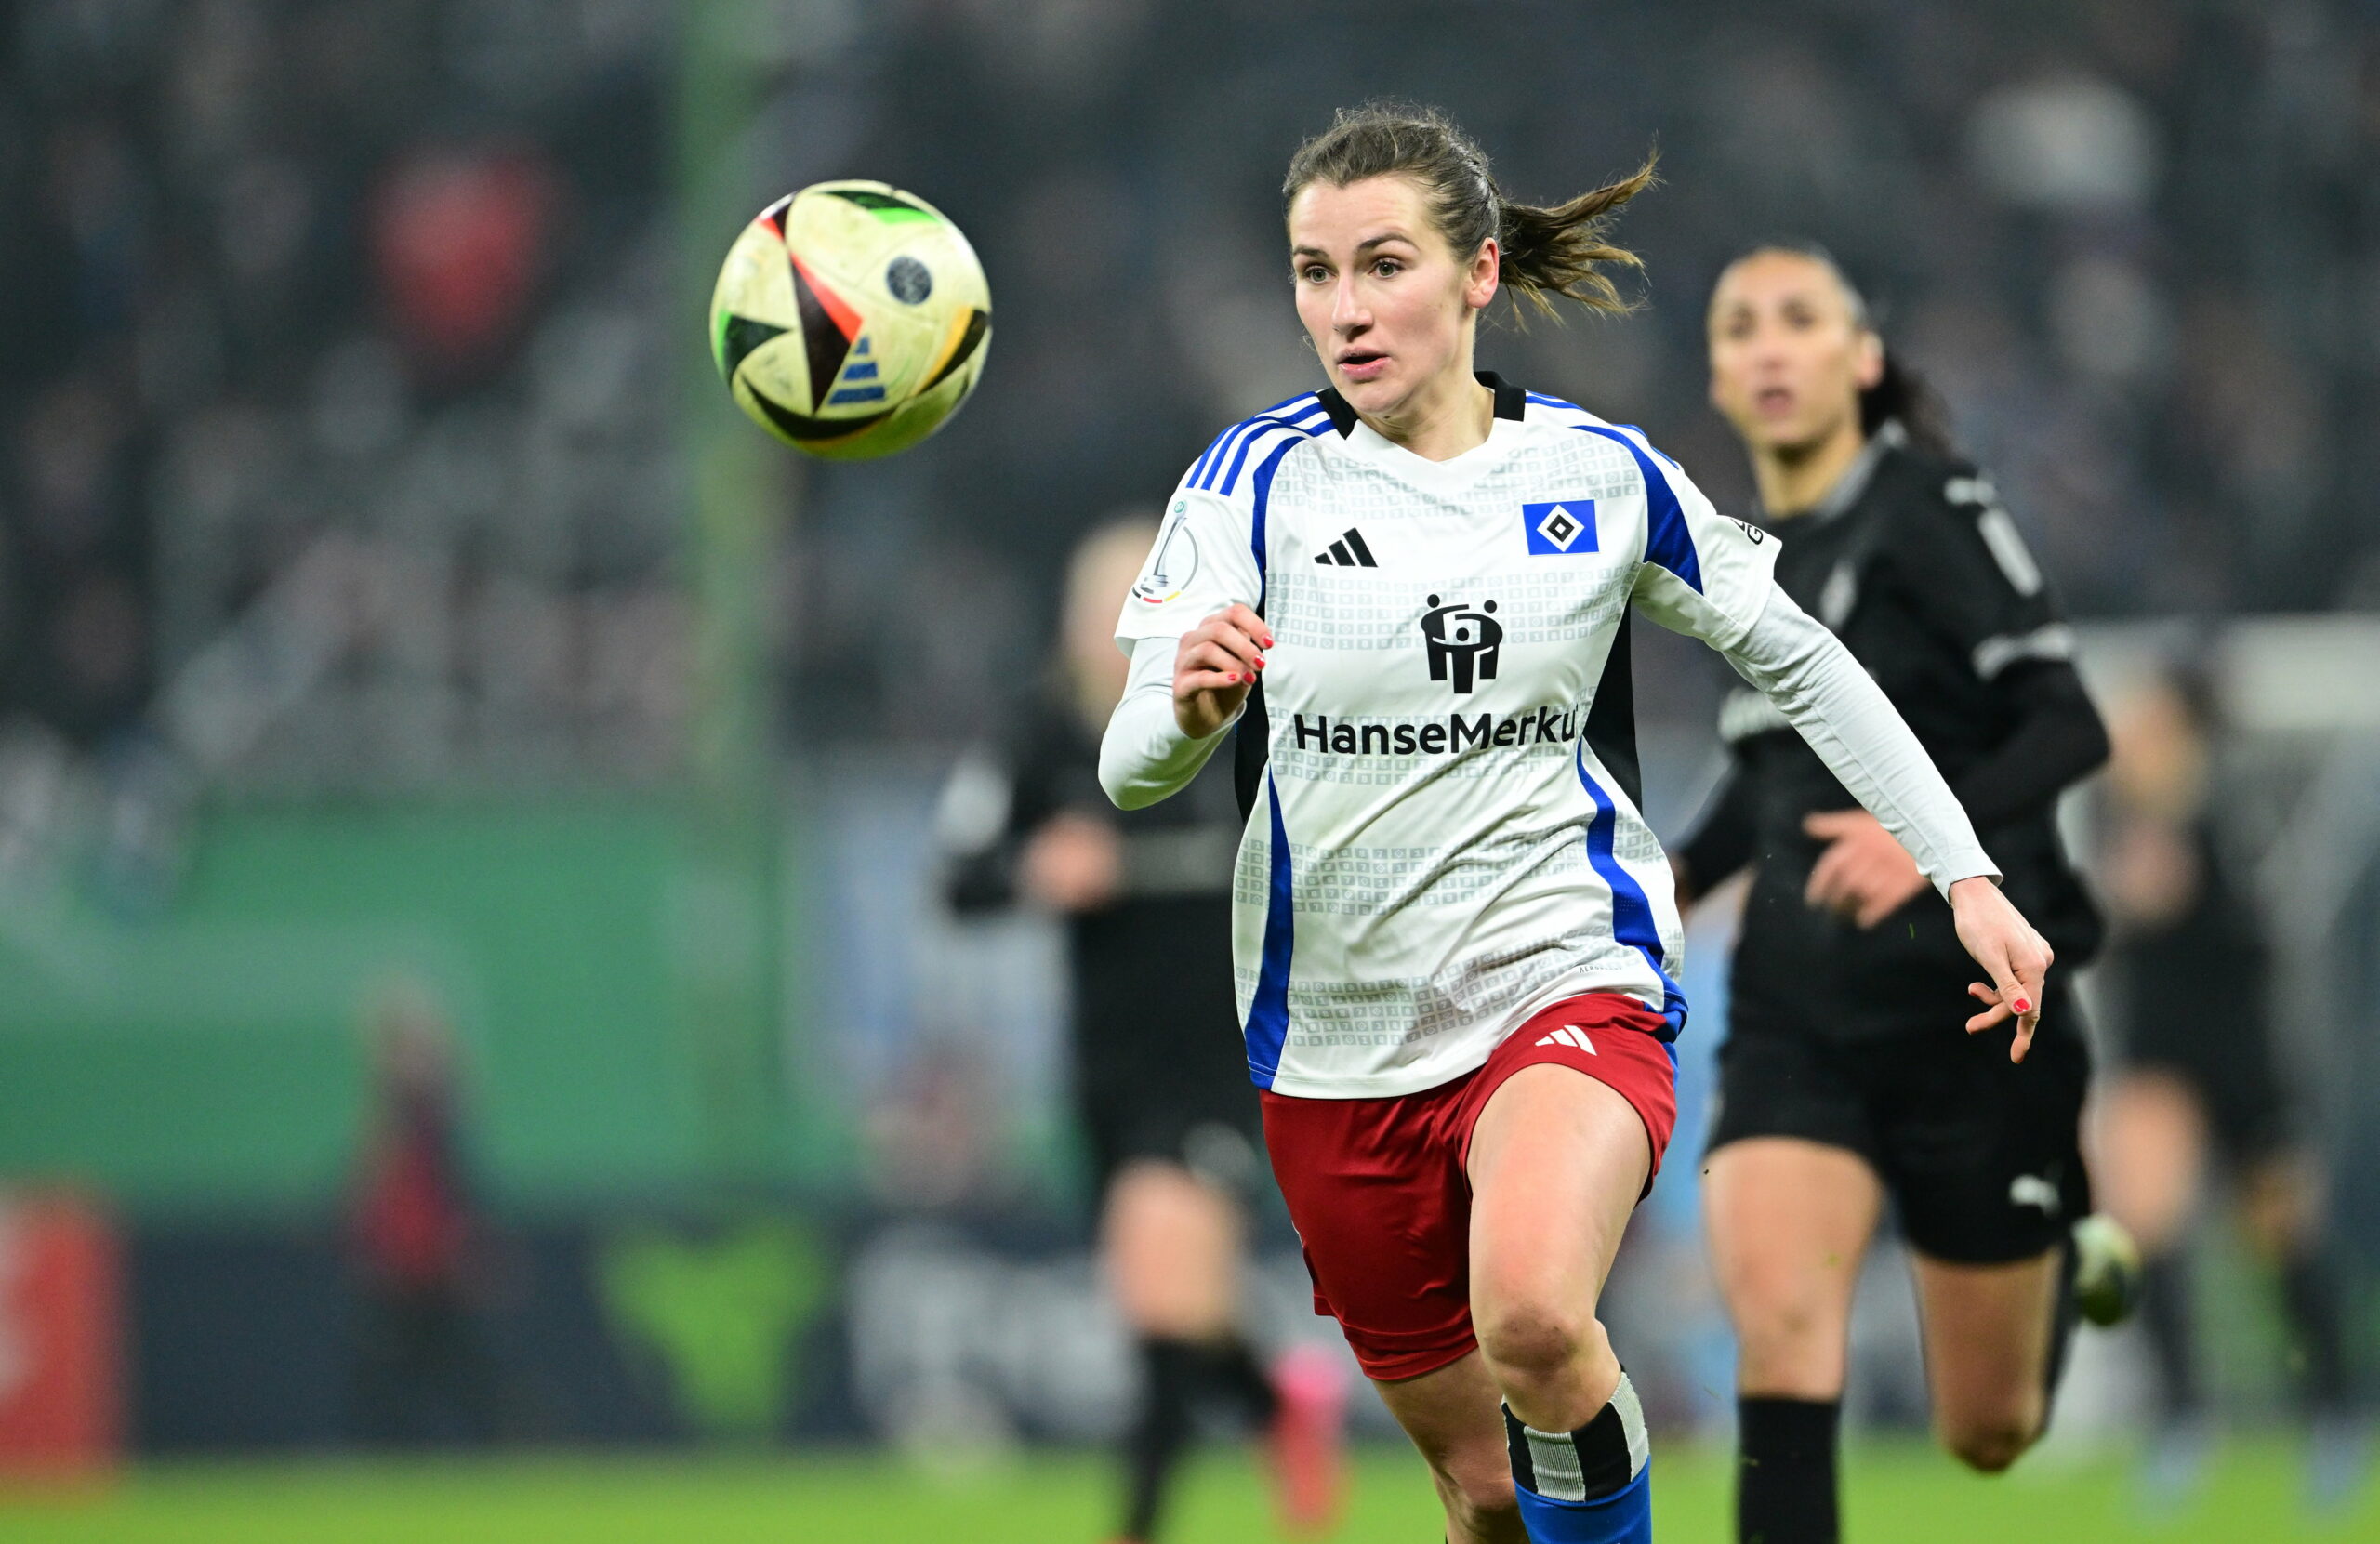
1557	1161
1790	1196
1171	1242
1789	1221
1455	1419
1987	1332
2150	1134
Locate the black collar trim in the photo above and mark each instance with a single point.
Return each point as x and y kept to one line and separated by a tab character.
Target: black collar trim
1512	402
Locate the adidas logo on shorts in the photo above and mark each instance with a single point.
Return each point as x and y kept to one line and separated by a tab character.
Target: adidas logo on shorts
1573	1036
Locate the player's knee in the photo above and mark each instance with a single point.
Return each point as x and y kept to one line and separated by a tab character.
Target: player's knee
1789	1344
1783	1320
1989	1446
1478	1494
1538	1338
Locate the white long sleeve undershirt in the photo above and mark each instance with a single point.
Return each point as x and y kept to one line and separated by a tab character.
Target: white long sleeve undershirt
1823	692
1796	661
1144	756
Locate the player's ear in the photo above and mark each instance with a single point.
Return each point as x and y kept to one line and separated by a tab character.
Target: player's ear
1483	275
1868	365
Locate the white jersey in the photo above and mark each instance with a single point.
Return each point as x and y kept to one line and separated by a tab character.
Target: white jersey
1437	850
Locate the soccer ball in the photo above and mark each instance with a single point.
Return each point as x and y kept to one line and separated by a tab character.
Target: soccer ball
851	320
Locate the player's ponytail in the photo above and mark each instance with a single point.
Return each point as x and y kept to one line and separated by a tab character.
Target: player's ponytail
1902	396
1561	251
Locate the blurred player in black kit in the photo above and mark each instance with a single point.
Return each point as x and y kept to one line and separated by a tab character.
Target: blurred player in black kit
1161	1085
2198	1077
1845	1079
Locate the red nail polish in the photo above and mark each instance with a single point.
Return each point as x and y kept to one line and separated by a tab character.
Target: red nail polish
2023	1007
1268	643
1260	665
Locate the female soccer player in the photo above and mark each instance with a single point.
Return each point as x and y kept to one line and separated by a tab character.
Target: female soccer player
1170	1120
1448	906
1840	1082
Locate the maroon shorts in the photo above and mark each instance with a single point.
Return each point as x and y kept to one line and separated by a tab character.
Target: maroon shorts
1379	1192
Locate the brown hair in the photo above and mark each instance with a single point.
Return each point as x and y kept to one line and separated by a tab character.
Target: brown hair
1545	251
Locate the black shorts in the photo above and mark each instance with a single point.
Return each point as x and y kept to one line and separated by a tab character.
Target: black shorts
2236	1078
1982	1157
1206	1118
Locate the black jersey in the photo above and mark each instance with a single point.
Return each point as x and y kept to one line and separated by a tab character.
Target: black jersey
1916	566
1152	980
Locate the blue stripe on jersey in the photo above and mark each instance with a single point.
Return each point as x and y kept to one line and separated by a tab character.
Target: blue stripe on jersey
1261	486
1306	426
1206	463
1268	1009
1667	541
1667	458
1198	468
1240	435
1235	442
1631	912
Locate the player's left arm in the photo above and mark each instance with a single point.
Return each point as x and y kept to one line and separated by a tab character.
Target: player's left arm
1712	579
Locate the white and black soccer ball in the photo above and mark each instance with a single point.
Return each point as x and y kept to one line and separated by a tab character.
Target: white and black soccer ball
851	320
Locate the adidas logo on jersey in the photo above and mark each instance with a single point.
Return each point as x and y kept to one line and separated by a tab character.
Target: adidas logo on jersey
1573	1036
1348	551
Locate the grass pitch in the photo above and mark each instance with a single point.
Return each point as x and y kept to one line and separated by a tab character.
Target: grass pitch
1897	1492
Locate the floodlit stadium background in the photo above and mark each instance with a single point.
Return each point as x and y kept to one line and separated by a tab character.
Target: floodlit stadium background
394	611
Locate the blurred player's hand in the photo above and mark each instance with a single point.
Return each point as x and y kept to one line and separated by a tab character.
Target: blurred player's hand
1215	668
1864	874
2018	959
1074	862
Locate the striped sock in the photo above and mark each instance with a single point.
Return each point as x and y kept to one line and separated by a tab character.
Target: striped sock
1594	1486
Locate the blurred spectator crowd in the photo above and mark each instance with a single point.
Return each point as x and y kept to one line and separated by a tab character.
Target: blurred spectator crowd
342	346
336	450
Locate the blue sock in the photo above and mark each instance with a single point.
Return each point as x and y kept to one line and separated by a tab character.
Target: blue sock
1594	1486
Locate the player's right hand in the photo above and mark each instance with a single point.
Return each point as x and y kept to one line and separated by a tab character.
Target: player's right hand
1215	668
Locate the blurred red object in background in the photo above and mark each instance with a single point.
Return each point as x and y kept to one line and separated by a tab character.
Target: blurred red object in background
61	1338
458	238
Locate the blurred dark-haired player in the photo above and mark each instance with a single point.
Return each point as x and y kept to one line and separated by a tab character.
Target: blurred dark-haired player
1844	1080
1161	1093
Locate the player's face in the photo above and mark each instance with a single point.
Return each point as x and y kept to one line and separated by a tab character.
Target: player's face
1788	358
1386	302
